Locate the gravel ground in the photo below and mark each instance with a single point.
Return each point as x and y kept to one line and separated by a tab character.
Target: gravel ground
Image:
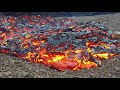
13	67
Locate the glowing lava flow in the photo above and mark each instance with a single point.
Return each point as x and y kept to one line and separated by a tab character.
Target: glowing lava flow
74	48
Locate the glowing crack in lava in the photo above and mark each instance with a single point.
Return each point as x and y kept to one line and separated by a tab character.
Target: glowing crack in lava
61	44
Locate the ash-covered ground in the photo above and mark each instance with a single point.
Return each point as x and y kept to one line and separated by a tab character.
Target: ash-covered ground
12	67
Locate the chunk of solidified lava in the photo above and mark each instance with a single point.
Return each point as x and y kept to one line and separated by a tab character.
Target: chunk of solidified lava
61	44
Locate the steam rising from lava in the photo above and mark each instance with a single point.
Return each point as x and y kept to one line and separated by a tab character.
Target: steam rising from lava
61	44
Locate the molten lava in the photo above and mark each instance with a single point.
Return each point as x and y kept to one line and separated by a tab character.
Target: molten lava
78	46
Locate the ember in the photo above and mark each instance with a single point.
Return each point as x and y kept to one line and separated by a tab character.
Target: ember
61	44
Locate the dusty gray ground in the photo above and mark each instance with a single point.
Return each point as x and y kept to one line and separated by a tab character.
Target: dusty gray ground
12	67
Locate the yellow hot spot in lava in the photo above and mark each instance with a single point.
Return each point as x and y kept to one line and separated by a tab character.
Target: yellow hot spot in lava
58	58
107	47
27	36
76	59
35	43
78	51
75	68
87	43
45	55
111	54
39	60
49	61
30	55
86	62
42	41
102	55
91	63
89	50
26	46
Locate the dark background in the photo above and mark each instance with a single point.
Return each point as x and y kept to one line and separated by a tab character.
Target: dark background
60	5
